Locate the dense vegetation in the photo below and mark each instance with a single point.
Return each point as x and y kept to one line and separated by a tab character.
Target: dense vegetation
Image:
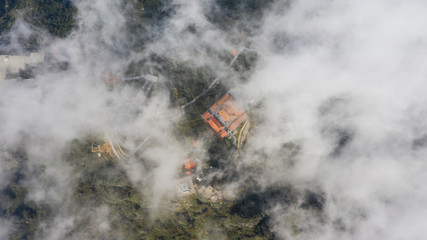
56	16
101	182
25	215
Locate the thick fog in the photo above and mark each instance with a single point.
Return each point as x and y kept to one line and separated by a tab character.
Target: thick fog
346	81
340	88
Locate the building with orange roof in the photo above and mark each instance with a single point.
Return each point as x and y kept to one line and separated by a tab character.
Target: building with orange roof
190	165
225	116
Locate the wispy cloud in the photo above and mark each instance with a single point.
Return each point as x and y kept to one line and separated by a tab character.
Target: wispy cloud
340	87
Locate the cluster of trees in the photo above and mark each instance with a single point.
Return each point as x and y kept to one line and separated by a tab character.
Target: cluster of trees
24	215
101	181
245	15
104	183
7	14
56	16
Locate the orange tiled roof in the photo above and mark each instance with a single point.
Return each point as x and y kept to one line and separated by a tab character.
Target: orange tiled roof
224	114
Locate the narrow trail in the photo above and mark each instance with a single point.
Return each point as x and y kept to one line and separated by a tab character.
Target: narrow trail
115	141
147	77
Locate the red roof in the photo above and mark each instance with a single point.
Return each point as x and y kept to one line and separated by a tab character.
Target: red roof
224	114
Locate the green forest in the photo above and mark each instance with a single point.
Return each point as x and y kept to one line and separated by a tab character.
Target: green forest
102	181
55	16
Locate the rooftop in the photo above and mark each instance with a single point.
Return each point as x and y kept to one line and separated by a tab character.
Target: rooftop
185	187
225	116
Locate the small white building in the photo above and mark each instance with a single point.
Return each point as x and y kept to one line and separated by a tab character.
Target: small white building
12	63
185	186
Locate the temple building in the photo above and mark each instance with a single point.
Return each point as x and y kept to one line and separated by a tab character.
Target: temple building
227	119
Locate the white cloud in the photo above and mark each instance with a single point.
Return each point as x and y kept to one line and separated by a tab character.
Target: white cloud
342	80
